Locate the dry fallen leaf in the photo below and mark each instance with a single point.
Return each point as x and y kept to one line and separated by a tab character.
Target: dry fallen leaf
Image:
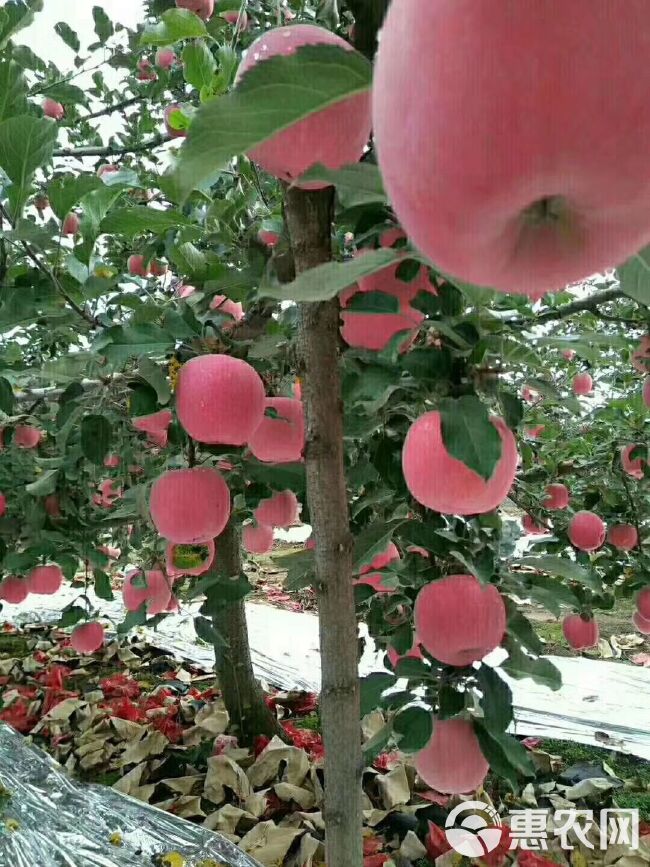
267	765
223	772
268	843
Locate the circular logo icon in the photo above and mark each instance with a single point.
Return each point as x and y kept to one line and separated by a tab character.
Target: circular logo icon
473	829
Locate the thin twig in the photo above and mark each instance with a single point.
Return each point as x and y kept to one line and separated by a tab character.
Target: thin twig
110	151
590	304
126	103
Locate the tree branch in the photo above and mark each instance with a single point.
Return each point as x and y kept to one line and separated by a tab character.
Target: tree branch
54	392
591	304
133	100
109	151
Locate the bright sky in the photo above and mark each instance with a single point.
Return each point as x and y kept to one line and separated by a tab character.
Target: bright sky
45	42
42	39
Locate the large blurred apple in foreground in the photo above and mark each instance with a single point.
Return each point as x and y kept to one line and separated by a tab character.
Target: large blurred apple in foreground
512	136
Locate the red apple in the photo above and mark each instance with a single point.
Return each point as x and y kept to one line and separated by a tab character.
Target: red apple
333	137
234	17
641	623
587	531
452	761
190	506
281	439
459	620
165	58
643	603
172	130
87	638
202	8
633	467
14	590
488	123
445	484
280	510
579	632
219	399
146	71
257	539
45	580
53	109
557	497
583	384
136	265
623	536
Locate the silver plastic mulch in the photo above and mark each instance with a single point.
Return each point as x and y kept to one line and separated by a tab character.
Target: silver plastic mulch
49	820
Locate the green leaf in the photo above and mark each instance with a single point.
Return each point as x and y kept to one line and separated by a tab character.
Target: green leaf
523	631
133	619
356	184
14	17
96	205
13	90
278	477
103	585
133	221
373	302
189	259
154	376
372	688
103	25
96	436
65	192
271	97
208	633
63	91
521	665
71	616
120	343
634	277
76	269
175	24
496	700
414	725
512	408
506	755
45	484
26	144
565	568
198	64
326	281
300	569
372	540
469	435
377	743
68	35
6	396
450	700
547	591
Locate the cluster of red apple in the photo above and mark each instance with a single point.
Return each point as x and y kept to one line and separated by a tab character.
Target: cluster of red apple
221	400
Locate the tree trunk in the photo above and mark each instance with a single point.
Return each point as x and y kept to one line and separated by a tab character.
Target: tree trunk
242	694
309	219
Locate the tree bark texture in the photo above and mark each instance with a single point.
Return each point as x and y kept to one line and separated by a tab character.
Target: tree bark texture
242	694
309	220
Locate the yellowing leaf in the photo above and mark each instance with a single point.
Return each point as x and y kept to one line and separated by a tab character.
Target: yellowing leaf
173	859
